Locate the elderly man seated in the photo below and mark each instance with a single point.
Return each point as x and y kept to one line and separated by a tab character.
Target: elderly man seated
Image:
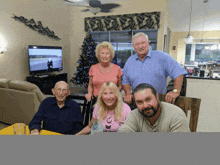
152	115
58	113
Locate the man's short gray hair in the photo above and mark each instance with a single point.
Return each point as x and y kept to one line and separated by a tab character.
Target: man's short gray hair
137	35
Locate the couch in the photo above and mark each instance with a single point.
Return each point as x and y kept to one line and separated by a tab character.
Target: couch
19	101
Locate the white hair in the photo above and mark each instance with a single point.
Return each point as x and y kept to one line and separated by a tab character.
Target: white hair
137	35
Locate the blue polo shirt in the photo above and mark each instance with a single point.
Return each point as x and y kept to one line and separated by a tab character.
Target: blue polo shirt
154	70
65	120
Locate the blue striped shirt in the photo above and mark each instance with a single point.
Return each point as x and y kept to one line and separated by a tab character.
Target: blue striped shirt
154	70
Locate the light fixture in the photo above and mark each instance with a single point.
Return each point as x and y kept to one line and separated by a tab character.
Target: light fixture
2	50
2	44
94	10
205	1
189	38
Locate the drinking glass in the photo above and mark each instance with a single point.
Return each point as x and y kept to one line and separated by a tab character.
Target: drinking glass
19	129
96	126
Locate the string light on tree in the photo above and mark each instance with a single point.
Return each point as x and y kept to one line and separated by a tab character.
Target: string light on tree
86	60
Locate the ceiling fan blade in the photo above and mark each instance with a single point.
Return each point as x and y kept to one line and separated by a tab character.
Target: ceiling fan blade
85	10
105	10
94	3
79	3
109	6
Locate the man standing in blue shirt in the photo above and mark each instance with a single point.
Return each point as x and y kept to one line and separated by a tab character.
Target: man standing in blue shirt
58	113
152	67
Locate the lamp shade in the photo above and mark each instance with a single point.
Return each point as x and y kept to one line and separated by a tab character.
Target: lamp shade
2	50
189	39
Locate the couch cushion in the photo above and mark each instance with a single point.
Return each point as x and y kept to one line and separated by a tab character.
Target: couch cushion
4	82
22	85
40	95
26	86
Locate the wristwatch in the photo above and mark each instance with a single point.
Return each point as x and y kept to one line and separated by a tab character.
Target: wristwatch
176	91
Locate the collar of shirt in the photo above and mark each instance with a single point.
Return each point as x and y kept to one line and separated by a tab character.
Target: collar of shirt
66	104
148	55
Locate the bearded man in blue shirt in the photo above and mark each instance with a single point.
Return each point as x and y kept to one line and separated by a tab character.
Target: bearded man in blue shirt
58	113
152	67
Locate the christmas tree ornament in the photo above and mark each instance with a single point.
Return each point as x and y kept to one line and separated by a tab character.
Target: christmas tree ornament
86	60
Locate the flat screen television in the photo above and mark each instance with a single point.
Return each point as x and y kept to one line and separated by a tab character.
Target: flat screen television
44	59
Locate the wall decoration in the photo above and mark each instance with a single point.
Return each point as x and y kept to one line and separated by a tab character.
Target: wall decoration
36	26
136	21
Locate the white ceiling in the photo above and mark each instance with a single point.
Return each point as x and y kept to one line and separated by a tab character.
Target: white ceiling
179	11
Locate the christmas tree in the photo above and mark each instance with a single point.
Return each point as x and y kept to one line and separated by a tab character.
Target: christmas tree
86	60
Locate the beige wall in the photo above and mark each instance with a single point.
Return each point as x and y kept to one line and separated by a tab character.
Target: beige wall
66	21
14	63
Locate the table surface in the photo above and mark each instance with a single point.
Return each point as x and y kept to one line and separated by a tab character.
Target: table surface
205	77
10	131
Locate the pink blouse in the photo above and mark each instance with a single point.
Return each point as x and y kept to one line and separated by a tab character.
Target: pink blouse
109	124
99	78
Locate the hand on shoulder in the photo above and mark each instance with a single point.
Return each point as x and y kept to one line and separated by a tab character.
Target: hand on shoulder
128	98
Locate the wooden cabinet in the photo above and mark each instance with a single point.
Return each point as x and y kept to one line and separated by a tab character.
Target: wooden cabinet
47	82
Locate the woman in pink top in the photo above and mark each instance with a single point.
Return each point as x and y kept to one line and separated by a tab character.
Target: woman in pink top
110	109
103	71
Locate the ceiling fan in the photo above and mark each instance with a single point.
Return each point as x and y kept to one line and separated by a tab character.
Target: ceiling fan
95	6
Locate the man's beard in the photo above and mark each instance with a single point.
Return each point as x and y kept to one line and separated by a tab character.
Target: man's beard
154	111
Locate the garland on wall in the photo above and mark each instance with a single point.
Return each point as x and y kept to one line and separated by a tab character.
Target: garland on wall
135	21
36	26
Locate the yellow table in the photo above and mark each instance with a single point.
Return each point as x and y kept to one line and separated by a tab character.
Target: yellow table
10	131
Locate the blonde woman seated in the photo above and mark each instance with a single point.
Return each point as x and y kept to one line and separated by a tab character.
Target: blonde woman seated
110	109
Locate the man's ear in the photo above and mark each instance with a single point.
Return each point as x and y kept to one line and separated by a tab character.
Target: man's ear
53	91
68	93
157	96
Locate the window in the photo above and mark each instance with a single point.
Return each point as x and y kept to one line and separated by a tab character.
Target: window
203	53
122	42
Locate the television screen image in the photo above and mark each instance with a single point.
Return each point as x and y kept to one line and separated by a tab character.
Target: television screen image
45	59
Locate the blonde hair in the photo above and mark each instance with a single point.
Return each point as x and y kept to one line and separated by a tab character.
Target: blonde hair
118	110
137	35
107	45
